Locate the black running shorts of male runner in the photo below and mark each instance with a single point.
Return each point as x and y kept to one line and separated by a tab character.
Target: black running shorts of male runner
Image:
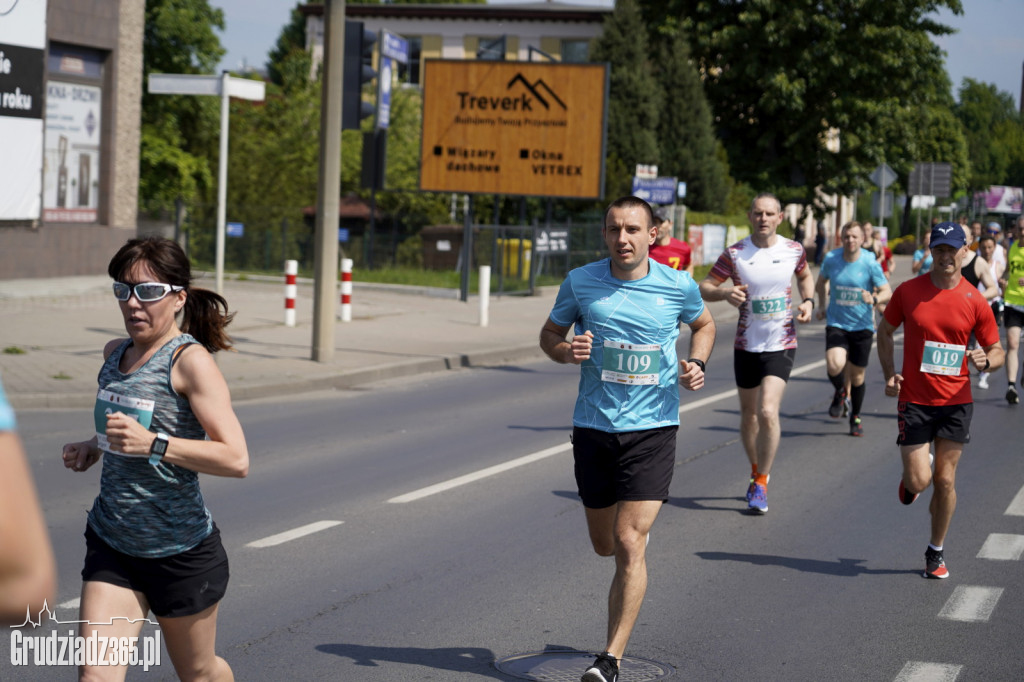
751	368
920	424
629	466
178	585
857	344
1012	317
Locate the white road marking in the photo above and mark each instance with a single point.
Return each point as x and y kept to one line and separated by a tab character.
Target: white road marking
971	603
1016	507
921	671
71	603
558	449
1002	546
295	533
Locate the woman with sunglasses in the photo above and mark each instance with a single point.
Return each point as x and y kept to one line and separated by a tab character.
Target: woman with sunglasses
163	416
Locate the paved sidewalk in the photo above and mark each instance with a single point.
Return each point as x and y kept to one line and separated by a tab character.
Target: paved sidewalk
54	330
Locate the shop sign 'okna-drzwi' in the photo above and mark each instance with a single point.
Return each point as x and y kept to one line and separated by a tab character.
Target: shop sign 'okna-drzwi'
524	128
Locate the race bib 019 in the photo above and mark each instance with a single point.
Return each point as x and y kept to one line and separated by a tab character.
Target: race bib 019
942	358
107	402
631	363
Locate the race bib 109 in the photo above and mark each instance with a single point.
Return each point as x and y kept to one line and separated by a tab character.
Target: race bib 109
631	363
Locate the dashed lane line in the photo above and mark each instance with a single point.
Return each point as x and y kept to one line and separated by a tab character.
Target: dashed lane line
559	449
293	534
1016	507
921	671
971	603
1002	547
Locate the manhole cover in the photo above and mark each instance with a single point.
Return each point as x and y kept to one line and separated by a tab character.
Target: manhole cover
568	666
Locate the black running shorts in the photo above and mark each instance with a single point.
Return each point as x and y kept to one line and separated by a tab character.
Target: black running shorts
919	424
1012	317
857	344
178	585
613	467
751	368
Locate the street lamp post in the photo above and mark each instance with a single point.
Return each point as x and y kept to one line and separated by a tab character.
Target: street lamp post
225	86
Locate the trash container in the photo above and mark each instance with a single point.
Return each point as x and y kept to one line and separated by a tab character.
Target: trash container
442	245
510	265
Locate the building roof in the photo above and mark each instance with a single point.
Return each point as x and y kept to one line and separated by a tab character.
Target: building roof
534	11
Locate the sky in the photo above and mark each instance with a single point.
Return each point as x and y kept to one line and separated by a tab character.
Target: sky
988	47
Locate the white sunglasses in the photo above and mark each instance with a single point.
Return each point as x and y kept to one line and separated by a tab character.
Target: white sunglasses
146	292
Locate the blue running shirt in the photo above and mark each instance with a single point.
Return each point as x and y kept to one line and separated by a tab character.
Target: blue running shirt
632	384
846	307
7	419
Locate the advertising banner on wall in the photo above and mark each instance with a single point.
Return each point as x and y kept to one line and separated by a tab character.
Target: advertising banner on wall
71	178
514	128
22	43
1000	199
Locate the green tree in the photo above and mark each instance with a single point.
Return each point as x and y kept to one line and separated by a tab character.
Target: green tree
688	147
788	79
992	127
291	39
634	98
179	132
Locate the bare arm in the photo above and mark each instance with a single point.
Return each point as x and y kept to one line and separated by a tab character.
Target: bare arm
984	273
886	347
805	284
712	290
224	453
702	341
28	574
556	347
821	289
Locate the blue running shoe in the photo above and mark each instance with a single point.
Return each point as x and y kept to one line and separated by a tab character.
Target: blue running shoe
758	497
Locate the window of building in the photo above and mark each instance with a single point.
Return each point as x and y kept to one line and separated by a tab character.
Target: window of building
410	73
491	48
74	107
576	51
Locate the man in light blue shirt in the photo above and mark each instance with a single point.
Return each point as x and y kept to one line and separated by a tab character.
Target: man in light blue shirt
851	283
625	312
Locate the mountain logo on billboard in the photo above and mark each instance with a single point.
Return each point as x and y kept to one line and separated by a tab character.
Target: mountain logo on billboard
535	90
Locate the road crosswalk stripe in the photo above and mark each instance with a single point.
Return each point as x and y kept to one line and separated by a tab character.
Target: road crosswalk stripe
921	671
1016	507
1002	546
971	603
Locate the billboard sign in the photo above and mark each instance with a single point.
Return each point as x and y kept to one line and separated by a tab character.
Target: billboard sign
1000	199
22	60
535	129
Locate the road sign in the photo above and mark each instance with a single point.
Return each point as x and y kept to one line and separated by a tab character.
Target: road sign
656	190
883	176
646	171
395	47
235	229
384	92
552	241
343	234
930	179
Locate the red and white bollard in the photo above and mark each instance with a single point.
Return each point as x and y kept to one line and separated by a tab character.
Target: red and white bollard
346	289
291	269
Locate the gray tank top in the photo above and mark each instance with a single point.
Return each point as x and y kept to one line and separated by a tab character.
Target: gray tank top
146	510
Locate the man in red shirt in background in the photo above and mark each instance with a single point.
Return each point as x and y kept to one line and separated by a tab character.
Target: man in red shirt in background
938	311
666	249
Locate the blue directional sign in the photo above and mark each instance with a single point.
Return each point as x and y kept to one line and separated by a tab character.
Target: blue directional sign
384	92
235	229
655	190
343	234
395	47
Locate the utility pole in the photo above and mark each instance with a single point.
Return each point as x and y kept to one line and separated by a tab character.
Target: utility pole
325	272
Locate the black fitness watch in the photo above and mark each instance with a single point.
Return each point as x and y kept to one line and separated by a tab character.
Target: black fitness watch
158	449
699	363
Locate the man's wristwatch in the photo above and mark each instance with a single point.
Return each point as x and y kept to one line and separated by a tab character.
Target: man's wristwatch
158	449
699	363
988	363
809	298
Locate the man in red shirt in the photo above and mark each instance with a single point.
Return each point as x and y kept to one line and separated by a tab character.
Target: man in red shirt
666	249
938	311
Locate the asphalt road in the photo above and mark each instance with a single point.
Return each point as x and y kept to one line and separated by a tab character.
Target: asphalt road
451	536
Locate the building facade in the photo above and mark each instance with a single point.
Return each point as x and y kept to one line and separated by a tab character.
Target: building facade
71	200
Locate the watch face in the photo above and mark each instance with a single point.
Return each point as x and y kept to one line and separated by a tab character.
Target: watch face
159	446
